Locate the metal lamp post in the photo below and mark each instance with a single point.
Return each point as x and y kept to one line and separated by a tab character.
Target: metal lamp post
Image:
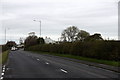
5	33
40	25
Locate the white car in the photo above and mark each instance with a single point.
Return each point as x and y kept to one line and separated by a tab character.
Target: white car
13	49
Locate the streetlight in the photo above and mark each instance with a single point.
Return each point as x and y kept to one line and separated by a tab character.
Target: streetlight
5	33
40	25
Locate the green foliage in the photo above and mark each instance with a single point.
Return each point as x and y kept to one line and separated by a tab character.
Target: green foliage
30	41
10	44
82	35
40	40
4	56
7	46
4	48
70	34
106	50
94	37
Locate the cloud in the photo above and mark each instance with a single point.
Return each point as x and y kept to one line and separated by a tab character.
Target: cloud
91	15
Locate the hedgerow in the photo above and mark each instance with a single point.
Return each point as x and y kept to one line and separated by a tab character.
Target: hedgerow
106	50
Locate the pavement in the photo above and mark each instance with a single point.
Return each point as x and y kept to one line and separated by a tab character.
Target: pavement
24	64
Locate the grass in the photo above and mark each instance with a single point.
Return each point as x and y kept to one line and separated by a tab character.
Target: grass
107	62
4	57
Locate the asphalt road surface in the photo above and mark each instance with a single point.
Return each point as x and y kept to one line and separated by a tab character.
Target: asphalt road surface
23	64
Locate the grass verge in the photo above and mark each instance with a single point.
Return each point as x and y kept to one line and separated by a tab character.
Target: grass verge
111	63
4	57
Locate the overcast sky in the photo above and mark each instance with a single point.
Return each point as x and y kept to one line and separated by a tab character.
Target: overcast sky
94	16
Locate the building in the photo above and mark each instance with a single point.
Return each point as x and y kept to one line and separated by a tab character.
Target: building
49	40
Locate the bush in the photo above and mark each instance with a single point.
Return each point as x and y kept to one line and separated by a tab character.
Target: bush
107	50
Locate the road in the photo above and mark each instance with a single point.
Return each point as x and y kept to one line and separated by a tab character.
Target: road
24	64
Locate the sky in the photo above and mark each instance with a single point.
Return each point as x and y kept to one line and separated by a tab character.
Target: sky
93	16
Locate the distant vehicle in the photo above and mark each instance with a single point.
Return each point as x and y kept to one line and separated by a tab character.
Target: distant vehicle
16	48
13	49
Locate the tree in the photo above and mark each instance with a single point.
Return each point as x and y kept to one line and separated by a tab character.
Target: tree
31	40
70	34
21	41
10	44
40	40
94	37
82	35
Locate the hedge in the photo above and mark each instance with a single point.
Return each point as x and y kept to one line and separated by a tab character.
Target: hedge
106	50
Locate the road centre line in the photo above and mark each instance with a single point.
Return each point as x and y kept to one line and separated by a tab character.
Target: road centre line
38	59
46	63
63	70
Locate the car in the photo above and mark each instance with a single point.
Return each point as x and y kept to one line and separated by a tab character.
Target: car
13	49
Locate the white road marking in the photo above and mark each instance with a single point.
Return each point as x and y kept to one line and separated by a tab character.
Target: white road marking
2	74
4	66
3	70
46	63
63	70
1	78
38	59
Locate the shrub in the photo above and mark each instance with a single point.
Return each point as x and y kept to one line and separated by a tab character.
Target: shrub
107	50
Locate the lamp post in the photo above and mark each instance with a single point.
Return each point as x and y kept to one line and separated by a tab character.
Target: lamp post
5	33
40	25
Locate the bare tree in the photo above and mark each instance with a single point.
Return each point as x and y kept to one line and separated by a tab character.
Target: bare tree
70	34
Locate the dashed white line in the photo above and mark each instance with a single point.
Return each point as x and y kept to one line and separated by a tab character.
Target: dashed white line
1	78
46	63
3	70
63	70
4	66
38	59
2	74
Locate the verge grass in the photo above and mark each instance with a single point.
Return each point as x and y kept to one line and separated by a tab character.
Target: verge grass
4	57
